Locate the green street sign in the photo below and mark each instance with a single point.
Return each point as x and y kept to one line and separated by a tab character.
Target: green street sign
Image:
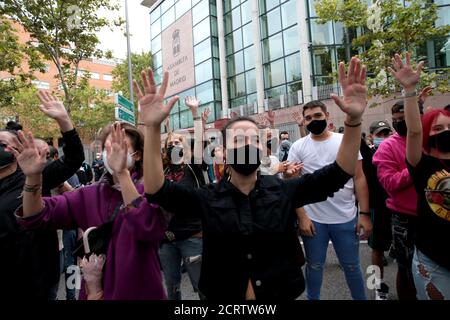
124	116
124	103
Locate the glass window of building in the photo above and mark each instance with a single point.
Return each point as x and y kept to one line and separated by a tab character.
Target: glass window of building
107	77
228	23
216	69
273	94
226	5
274	74
236	86
202	51
249	57
158	75
185	117
267	5
237	40
200	11
155	28
213	8
157	60
215	47
312	9
271	23
238	102
205	92
247	34
321	34
203	72
175	121
166	4
201	31
289	13
181	7
293	71
323	59
339	33
235	63
246	12
156	44
442	52
250	80
217	90
272	48
194	2
229	44
155	14
235	3
236	18
252	98
443	16
291	40
214	28
168	18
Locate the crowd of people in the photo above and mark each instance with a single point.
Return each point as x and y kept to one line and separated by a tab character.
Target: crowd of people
229	210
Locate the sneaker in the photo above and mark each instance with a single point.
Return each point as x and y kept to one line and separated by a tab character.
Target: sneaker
382	293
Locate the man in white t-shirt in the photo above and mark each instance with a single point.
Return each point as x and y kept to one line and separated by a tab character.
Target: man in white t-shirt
337	218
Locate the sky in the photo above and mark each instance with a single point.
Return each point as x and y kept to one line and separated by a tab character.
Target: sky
139	30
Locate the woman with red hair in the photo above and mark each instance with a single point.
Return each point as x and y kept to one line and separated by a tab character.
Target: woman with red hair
428	159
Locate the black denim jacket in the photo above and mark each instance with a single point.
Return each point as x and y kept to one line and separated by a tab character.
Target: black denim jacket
251	237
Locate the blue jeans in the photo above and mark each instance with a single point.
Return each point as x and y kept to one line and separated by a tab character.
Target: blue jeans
346	245
431	280
172	254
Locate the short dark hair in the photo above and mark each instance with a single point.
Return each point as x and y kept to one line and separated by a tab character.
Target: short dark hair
314	104
233	121
399	107
283	132
447	107
13	126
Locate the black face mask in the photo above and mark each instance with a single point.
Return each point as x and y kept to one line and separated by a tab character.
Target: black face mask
317	127
6	158
400	127
252	160
440	141
175	153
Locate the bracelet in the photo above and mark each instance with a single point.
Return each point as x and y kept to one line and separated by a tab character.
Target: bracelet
364	213
409	94
31	188
352	125
197	118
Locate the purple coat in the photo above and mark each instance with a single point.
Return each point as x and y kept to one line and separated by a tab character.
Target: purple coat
132	270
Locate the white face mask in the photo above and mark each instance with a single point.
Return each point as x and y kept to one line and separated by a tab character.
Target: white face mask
130	161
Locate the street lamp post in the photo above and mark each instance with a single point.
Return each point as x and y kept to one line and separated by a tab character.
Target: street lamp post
130	75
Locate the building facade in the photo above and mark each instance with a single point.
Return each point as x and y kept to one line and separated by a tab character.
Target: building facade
248	56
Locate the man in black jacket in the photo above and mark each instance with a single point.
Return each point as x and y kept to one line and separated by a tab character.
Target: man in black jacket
30	265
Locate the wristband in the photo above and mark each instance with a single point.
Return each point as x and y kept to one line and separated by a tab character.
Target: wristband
352	125
365	213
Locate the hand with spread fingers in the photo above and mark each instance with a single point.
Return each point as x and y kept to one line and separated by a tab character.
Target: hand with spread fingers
117	150
404	72
192	103
153	108
30	158
354	89
53	108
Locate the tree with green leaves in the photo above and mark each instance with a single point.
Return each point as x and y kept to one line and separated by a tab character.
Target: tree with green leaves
64	32
384	28
18	62
139	62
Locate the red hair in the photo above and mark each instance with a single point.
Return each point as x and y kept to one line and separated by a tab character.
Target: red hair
427	122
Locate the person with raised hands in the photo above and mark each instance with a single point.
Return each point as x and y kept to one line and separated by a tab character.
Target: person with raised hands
250	244
33	271
131	229
428	162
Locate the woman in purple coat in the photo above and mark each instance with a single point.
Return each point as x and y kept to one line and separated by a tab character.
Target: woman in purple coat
132	268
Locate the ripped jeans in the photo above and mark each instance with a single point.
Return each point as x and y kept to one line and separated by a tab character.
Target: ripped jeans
171	255
431	280
346	245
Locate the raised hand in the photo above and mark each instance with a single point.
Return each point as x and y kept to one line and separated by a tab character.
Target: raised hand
354	88
205	115
51	106
425	93
117	150
30	158
271	116
404	73
298	118
153	109
192	103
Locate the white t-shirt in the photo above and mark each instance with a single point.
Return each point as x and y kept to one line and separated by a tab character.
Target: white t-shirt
269	165
315	155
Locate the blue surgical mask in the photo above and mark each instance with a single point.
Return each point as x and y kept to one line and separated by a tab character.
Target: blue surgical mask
377	141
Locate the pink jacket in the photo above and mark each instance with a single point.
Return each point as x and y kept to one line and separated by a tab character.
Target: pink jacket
390	160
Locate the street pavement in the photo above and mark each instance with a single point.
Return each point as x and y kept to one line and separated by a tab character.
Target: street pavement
334	286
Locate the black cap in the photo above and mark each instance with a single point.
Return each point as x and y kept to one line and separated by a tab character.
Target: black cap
399	106
379	126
